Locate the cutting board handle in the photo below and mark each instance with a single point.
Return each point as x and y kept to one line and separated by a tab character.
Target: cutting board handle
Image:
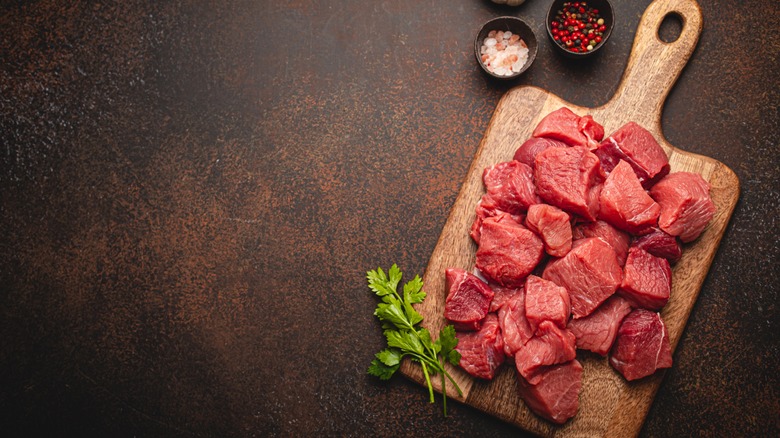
654	65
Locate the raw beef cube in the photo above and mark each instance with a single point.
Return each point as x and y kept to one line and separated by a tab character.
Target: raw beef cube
570	179
597	331
468	299
642	345
553	226
590	272
486	207
637	146
514	325
555	396
562	124
507	251
660	244
625	204
526	153
618	240
510	185
592	131
549	346
686	207
647	280
546	301
501	295
481	352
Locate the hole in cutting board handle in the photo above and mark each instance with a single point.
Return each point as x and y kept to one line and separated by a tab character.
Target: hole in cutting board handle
671	27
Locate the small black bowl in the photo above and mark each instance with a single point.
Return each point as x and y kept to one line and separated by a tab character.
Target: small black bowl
514	25
605	11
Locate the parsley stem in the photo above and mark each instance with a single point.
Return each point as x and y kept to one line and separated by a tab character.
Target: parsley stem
444	372
444	392
427	379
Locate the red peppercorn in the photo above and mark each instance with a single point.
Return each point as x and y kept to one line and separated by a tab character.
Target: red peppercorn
576	22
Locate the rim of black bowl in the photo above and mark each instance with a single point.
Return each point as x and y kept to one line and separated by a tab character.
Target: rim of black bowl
529	38
556	4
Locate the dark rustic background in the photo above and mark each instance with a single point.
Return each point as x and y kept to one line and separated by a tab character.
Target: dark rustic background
192	193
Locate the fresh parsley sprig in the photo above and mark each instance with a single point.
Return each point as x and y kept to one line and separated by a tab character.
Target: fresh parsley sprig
405	337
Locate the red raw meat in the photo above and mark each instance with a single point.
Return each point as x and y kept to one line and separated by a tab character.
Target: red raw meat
686	207
618	240
660	244
468	299
553	226
637	146
482	352
570	179
556	395
597	331
549	346
642	345
507	251
625	204
580	200
592	131
527	152
486	208
514	324
562	124
511	186
546	301
501	295
590	272
647	280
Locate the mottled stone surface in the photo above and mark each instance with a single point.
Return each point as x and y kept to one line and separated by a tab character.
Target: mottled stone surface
191	193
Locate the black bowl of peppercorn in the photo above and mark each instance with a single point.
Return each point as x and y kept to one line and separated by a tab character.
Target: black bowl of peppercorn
578	29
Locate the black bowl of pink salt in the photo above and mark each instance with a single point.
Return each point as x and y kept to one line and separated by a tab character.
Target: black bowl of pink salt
505	47
578	29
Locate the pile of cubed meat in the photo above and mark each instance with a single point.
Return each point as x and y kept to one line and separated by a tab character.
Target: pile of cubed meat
576	236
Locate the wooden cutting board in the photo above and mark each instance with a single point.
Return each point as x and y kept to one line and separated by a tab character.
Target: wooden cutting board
609	405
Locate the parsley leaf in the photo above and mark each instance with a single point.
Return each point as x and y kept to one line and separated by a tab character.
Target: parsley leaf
391	313
400	322
389	357
406	340
448	343
379	369
413	292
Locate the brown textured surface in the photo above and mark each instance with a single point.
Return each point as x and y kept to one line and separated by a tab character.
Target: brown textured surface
192	192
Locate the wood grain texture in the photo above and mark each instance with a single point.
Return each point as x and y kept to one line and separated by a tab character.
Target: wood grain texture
609	406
